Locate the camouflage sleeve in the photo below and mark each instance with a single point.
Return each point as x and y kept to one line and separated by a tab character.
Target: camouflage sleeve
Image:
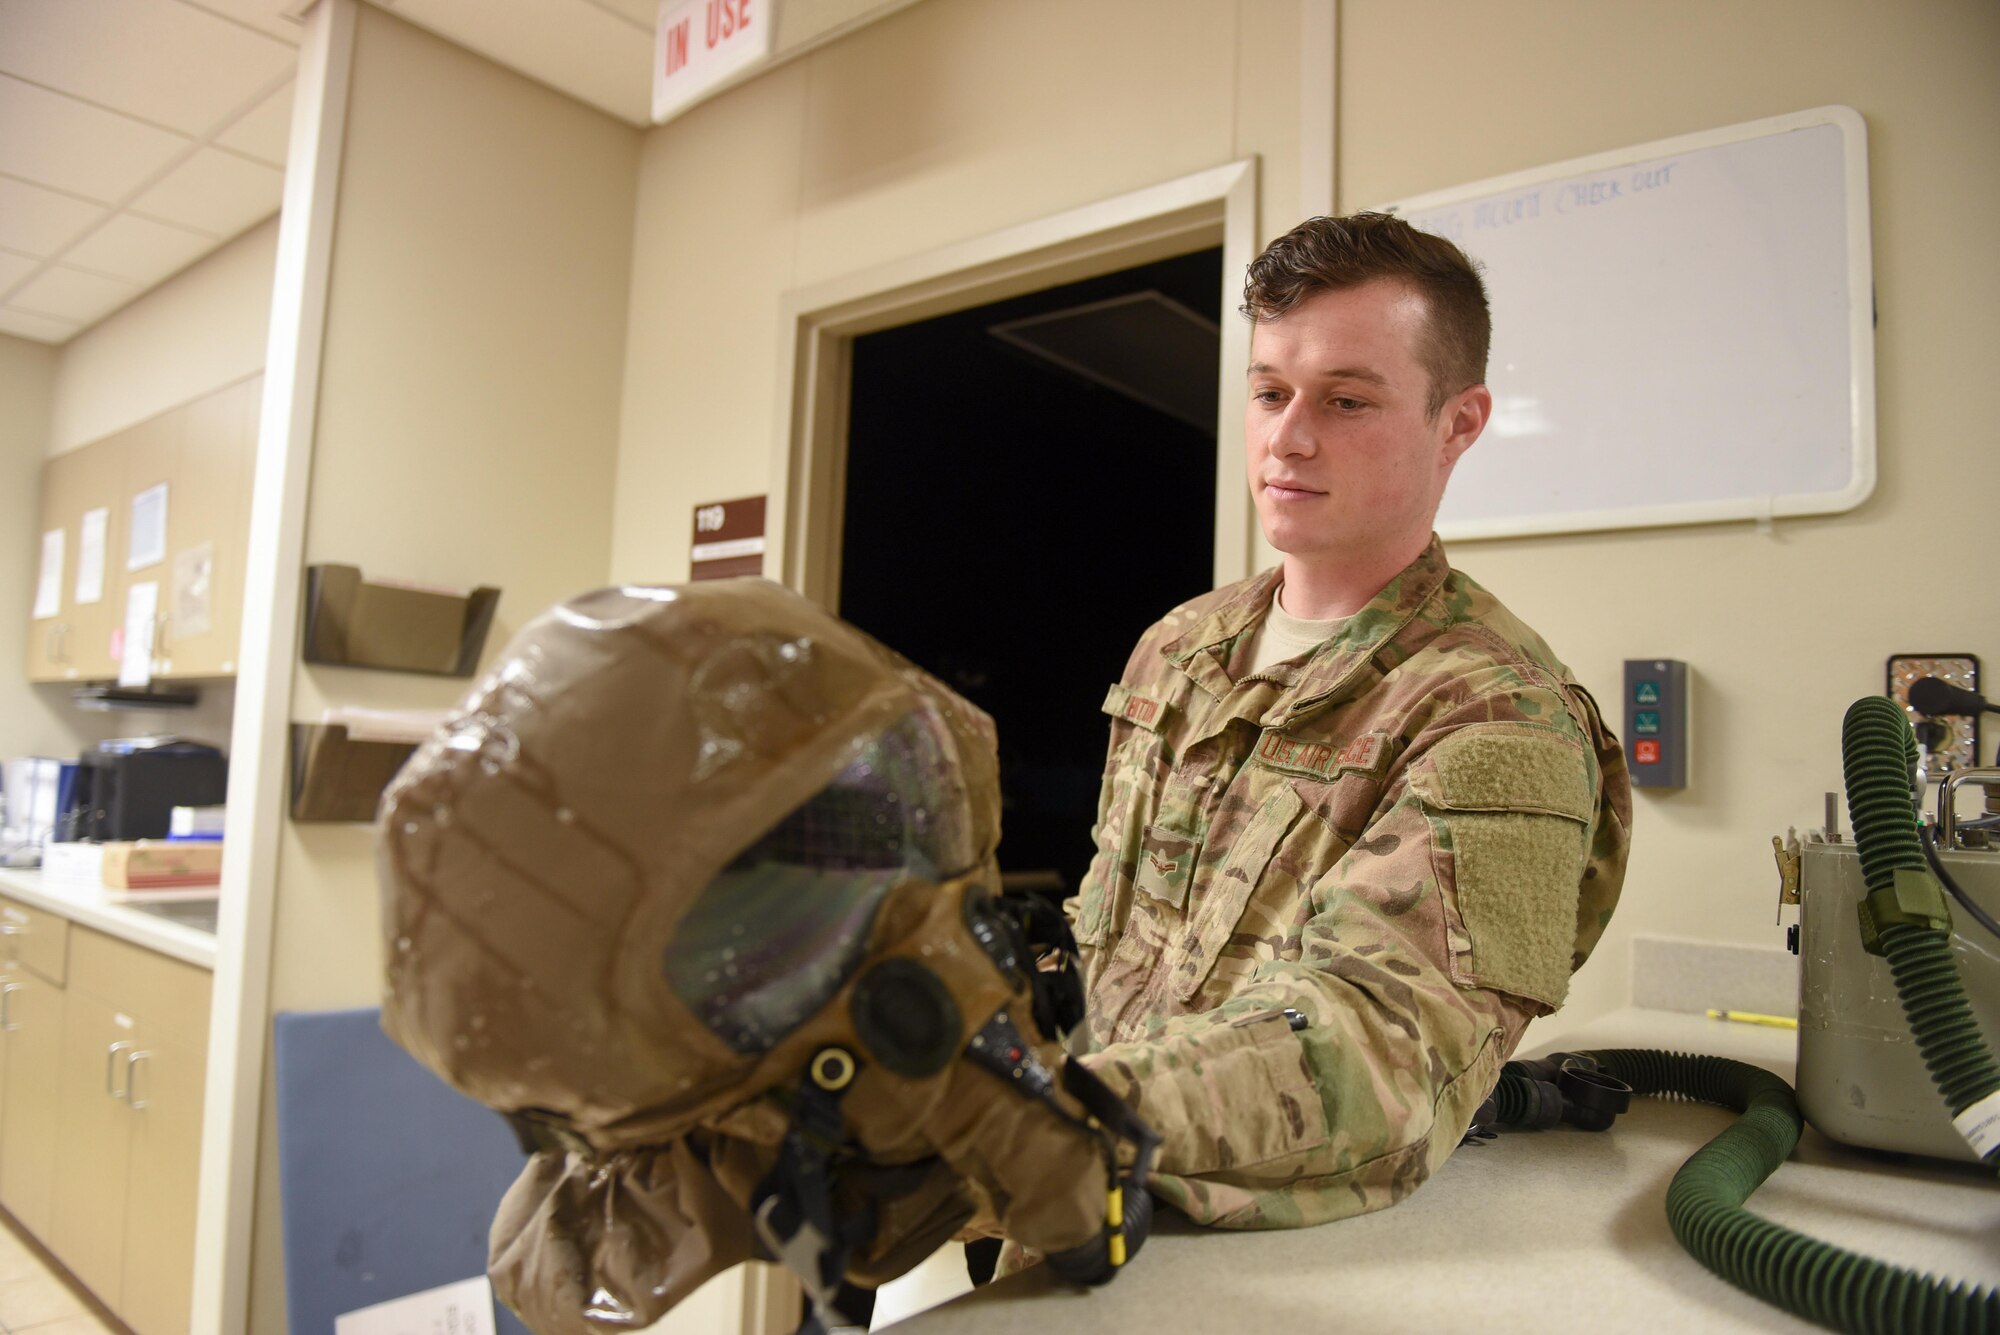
1425	949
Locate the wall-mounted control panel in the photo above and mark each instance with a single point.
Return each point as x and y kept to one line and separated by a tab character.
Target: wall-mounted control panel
1657	727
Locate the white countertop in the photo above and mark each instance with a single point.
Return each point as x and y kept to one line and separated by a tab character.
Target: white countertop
185	930
1535	1232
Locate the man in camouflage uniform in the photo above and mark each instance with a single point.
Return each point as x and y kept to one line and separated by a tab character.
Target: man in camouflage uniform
1358	823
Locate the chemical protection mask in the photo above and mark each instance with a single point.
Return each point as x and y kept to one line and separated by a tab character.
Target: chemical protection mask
698	888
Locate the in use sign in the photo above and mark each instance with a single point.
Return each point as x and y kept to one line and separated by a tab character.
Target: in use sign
701	44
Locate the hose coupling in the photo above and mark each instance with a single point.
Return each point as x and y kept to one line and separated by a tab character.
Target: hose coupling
1913	898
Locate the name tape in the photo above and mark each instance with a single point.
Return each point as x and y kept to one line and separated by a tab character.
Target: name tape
1318	759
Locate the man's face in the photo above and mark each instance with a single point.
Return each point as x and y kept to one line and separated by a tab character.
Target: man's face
1344	462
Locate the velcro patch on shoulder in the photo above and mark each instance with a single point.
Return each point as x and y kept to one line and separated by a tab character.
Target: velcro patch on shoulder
1509	767
1146	711
1516	877
1315	759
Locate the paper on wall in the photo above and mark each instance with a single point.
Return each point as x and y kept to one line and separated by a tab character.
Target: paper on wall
142	609
149	528
90	556
194	578
48	585
464	1308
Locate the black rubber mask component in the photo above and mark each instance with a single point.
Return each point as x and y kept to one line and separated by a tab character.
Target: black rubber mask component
906	1018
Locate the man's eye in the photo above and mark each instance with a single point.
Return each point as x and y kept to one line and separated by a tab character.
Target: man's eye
1347	405
1268	396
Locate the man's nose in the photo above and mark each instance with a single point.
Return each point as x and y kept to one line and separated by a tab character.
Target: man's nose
1292	434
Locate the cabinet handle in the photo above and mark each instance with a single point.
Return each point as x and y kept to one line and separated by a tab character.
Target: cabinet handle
160	635
7	1024
110	1062
132	1060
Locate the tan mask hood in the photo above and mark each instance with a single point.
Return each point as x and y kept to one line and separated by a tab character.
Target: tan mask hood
698	886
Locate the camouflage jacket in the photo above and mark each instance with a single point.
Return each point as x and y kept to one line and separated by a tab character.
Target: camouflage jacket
1410	838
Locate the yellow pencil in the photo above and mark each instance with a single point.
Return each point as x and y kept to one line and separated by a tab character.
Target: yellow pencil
1751	1017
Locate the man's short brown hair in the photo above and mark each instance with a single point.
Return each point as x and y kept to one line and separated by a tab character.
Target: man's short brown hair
1325	254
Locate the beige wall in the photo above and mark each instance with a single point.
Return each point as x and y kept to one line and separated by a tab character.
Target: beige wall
941	123
1783	630
467	429
201	329
29	723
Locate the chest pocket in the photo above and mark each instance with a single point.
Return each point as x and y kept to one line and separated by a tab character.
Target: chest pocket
1132	774
1230	888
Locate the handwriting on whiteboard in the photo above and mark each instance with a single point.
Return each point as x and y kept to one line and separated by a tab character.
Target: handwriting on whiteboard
1589	192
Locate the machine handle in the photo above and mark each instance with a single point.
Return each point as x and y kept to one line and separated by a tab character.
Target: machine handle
1947	802
7	1024
110	1062
132	1060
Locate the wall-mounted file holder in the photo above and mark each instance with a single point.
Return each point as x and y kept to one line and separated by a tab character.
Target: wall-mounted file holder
351	622
336	777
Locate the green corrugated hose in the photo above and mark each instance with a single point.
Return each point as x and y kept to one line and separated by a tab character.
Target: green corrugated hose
1877	752
1815	1280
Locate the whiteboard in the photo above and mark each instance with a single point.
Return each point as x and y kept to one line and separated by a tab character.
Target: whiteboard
1683	331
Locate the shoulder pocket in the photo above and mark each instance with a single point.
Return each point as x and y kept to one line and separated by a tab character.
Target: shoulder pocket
1510	807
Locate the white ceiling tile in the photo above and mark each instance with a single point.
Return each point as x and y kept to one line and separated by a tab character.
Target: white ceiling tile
266	131
73	146
273	17
69	294
26	324
13	268
215	192
165	63
38	221
139	249
587	51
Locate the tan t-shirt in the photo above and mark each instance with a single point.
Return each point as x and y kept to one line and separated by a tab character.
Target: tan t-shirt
1285	636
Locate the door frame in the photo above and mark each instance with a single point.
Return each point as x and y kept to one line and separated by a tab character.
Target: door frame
818	325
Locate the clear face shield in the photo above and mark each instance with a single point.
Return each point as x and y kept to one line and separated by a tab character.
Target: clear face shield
786	924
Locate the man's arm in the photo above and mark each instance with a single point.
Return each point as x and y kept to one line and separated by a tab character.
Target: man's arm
1426	949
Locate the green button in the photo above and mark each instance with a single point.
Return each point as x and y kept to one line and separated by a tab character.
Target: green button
1646	720
1647	693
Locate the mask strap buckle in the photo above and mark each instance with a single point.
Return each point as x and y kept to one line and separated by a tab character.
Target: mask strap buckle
792	1207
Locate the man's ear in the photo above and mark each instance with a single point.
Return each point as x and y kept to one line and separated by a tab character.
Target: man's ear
1465	416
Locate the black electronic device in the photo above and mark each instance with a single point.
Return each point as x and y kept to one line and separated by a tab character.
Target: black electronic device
128	788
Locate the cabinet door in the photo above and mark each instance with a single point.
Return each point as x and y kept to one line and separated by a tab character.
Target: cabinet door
77	484
74	644
201	588
93	1145
31	1036
164	1108
152	460
45	633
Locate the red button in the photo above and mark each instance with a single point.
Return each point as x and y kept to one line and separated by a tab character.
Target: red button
1646	751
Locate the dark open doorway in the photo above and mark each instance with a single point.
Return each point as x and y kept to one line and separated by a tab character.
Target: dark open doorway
1029	485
